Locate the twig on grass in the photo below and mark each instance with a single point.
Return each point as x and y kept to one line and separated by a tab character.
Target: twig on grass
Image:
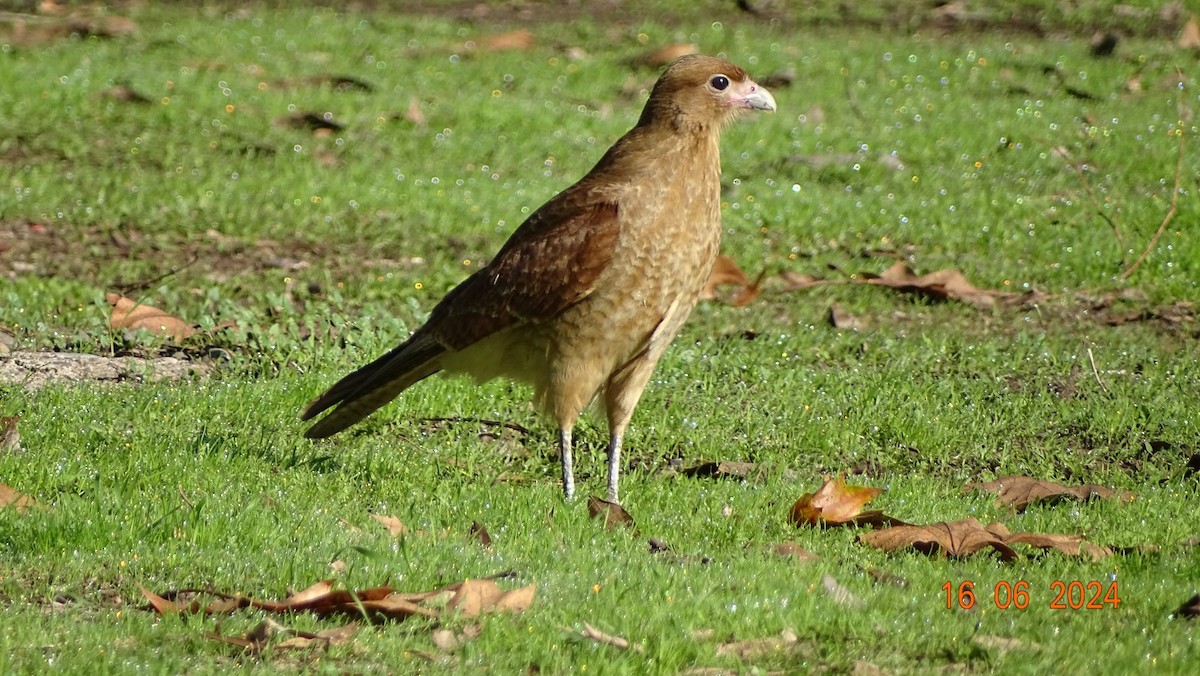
1096	371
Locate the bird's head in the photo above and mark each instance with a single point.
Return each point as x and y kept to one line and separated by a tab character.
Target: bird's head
704	91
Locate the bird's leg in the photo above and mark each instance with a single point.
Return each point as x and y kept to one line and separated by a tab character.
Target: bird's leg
564	453
614	466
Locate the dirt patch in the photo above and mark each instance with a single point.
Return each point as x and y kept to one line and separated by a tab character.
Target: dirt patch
33	370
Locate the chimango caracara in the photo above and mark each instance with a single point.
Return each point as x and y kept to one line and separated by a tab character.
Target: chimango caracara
587	293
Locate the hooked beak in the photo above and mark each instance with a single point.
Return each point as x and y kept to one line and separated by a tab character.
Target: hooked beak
753	97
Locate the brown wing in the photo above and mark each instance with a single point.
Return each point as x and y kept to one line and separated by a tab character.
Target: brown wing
551	262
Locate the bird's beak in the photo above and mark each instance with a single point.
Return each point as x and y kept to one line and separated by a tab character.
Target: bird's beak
754	97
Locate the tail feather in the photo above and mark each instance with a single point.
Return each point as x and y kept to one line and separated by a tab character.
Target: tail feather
364	391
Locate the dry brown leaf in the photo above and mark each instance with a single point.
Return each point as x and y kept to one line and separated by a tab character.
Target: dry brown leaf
721	470
836	503
1071	545
795	551
725	272
518	40
614	514
883	577
481	534
752	649
476	597
1190	37
1190	608
1019	492
840	319
11	497
598	636
10	438
395	526
795	280
939	285
129	314
956	539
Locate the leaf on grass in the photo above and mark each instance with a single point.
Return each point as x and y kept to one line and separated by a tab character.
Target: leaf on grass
883	577
129	314
10	437
795	551
753	649
1071	545
619	642
840	319
447	640
793	281
720	470
480	533
11	497
1189	38
477	597
614	515
955	539
1190	608
940	285
836	503
839	593
725	272
395	526
320	124
469	598
1019	492
518	40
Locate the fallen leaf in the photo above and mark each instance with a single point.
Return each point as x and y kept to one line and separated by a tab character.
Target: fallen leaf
1190	608
836	503
318	123
840	319
480	533
793	281
725	272
795	551
839	593
720	470
476	597
10	438
11	497
883	577
520	39
752	649
1190	37
598	636
395	526
1071	545
1019	492
939	285
614	514
129	314
955	539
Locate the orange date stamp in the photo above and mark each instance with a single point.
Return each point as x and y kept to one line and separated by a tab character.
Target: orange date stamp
1019	595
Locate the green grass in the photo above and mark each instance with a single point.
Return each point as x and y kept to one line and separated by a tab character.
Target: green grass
326	250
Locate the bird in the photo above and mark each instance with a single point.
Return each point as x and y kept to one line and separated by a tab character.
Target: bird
587	293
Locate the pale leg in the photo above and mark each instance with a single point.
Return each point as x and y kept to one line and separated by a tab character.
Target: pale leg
564	453
614	467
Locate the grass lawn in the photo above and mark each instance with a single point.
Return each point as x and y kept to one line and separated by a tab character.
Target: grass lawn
304	184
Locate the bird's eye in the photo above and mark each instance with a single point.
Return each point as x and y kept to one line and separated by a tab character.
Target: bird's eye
719	82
